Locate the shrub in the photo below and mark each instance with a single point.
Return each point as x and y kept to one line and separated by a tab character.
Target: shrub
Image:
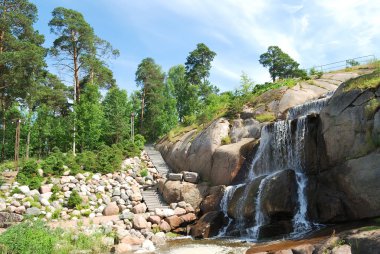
74	199
28	238
87	161
144	172
315	72
109	159
29	175
265	117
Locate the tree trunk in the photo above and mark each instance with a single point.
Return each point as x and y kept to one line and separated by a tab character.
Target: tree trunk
3	127
76	68
142	110
27	145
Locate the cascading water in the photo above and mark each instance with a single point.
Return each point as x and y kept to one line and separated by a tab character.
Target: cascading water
228	193
281	147
308	108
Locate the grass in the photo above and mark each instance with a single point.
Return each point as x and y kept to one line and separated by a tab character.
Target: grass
265	117
176	133
37	238
368	81
144	172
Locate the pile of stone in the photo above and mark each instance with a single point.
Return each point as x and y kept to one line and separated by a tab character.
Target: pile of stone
101	194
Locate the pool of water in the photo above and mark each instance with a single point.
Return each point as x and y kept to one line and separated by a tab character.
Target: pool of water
212	246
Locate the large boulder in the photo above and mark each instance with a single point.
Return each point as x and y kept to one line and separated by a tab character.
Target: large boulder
208	225
279	194
212	201
248	128
204	145
348	186
227	161
175	191
353	190
247	210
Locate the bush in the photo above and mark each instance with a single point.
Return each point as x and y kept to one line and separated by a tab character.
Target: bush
29	175
74	199
28	238
265	117
87	161
144	172
109	159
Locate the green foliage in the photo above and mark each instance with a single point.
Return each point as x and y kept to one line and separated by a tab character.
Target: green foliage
90	117
28	175
280	64
144	172
28	238
314	72
226	140
215	106
74	199
109	159
117	110
352	62
265	117
7	165
37	238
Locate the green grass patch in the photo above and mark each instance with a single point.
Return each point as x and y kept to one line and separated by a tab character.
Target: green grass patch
176	133
265	117
371	108
368	81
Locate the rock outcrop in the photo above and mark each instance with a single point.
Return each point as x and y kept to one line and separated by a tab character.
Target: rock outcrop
348	184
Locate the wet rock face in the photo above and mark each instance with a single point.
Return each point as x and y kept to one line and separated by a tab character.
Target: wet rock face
279	196
208	225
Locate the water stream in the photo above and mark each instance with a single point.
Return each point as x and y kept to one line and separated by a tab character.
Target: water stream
281	147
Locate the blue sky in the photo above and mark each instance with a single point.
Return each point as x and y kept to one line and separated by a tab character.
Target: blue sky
312	32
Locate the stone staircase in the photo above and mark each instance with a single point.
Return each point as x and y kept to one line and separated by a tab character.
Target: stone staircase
153	199
151	195
157	160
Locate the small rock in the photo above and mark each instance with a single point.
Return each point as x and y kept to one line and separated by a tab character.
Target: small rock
175	176
164	226
343	249
80	176
111	209
155	219
148	245
190	217
182	204
140	208
40	172
191	177
45	189
67	172
132	240
44	202
139	222
126	215
123	248
24	189
179	211
174	221
33	211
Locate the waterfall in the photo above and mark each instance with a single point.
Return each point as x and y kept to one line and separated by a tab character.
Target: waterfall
281	147
308	108
259	215
300	222
227	196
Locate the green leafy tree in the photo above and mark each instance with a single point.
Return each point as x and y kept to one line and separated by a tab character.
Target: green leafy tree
149	77
117	111
184	92
280	64
21	54
90	117
198	65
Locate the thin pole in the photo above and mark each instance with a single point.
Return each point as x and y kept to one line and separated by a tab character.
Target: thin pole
17	143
